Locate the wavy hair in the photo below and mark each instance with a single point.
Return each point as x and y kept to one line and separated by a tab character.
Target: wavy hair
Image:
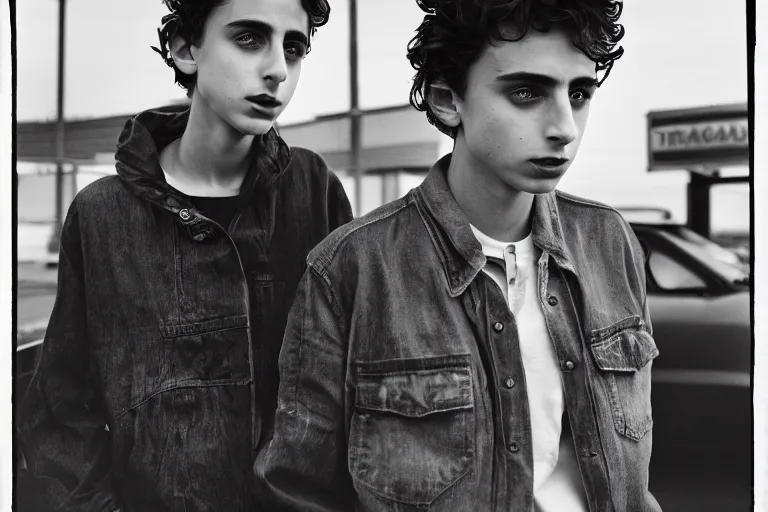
187	19
454	33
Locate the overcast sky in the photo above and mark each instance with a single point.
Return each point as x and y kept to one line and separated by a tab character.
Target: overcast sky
679	53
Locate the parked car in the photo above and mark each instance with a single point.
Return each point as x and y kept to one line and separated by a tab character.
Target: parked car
699	300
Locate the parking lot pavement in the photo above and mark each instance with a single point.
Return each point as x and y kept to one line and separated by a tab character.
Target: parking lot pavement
35	295
31	273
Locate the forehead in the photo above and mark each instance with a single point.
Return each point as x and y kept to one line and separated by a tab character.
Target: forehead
282	15
547	53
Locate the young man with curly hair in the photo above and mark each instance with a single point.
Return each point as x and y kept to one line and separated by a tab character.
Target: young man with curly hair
482	343
158	376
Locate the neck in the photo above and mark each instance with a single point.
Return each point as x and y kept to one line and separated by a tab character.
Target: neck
493	207
210	152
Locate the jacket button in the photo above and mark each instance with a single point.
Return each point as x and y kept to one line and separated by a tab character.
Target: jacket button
513	447
509	383
184	214
569	365
498	327
552	300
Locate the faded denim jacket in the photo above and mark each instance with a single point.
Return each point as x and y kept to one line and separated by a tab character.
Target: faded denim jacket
158	372
402	386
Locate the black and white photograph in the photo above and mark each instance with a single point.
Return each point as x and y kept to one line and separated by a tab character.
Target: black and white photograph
384	255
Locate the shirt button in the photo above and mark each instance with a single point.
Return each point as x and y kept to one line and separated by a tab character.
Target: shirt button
498	327
569	365
184	214
513	447
552	300
509	383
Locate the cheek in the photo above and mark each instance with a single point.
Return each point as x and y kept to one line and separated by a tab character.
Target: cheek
289	86
581	123
229	70
217	69
500	132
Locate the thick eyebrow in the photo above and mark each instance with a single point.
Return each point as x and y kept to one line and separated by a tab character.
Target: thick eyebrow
546	81
266	28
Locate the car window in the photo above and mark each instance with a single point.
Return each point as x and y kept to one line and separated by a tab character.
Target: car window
716	251
670	275
726	270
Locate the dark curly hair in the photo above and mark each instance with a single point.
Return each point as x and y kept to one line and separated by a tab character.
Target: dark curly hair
187	19
454	33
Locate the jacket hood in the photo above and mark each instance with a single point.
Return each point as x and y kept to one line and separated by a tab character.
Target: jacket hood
146	134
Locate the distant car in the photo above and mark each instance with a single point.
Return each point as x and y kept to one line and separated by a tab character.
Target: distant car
699	301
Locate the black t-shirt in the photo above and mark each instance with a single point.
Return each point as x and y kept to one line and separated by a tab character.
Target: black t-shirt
220	209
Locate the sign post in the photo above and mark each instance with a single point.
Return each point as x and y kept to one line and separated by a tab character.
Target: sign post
701	141
53	243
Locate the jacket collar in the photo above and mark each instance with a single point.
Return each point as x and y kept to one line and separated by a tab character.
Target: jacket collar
459	250
138	164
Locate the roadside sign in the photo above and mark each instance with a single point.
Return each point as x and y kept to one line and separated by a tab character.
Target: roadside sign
698	139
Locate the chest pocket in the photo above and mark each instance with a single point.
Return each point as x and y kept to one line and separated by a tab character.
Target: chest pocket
412	429
189	356
623	352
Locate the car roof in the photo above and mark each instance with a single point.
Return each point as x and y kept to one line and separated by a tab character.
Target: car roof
658	225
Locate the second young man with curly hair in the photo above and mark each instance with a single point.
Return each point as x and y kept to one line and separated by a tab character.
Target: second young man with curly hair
484	342
158	377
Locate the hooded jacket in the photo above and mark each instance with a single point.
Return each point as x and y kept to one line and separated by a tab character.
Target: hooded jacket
158	373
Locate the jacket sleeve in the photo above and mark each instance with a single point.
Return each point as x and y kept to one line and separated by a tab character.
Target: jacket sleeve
641	262
62	432
304	466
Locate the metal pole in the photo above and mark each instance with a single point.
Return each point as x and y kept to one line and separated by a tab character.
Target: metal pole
73	181
59	133
354	108
699	204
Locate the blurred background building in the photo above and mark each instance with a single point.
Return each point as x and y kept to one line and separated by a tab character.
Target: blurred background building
681	54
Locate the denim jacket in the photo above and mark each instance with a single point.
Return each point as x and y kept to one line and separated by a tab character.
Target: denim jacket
158	372
402	386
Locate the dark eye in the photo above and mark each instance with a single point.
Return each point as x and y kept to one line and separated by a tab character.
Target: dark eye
248	40
523	94
580	95
295	51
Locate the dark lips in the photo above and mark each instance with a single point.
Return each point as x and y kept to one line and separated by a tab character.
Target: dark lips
549	162
264	101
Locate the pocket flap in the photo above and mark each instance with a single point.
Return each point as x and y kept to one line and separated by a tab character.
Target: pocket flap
626	351
415	393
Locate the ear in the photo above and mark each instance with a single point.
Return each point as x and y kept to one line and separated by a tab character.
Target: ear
181	51
444	104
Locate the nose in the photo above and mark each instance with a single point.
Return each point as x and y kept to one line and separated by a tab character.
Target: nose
561	126
275	68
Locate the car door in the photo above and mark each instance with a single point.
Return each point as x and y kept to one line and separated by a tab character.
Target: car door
701	395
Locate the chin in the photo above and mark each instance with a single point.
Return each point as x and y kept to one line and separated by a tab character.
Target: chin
540	186
256	127
249	125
